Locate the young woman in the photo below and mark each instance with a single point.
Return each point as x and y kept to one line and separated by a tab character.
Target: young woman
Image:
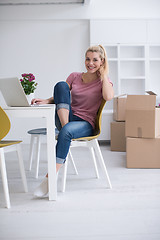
77	102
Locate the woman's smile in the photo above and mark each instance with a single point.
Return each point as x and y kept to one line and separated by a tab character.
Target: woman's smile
92	61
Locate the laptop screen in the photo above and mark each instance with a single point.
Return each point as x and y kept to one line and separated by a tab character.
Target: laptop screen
13	92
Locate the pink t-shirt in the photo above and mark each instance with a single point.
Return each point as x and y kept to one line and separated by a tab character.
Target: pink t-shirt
86	97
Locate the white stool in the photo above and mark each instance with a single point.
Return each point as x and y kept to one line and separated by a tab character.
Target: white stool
37	134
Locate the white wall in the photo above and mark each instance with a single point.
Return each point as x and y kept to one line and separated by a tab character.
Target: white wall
50	49
50	41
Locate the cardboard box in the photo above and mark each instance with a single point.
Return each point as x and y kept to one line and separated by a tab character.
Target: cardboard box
118	139
119	107
143	153
142	117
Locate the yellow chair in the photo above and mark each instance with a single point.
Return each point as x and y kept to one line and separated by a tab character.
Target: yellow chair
90	142
9	146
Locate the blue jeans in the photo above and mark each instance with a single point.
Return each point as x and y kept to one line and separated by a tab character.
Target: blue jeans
75	128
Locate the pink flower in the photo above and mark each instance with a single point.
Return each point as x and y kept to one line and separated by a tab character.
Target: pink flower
24	75
28	83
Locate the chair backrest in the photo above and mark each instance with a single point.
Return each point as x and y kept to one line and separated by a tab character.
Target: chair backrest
97	125
5	124
99	118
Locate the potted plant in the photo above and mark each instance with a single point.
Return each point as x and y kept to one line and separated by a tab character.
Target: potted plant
29	85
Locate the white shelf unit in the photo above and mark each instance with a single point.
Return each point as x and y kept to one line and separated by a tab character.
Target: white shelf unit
127	69
127	65
133	50
133	69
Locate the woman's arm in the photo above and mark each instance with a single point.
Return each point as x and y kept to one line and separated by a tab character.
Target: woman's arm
42	101
107	86
50	100
107	89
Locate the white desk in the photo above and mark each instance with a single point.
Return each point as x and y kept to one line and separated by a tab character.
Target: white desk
47	112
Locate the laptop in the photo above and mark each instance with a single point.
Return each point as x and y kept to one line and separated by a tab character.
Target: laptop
13	93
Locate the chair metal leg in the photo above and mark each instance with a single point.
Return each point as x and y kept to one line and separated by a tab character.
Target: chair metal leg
64	175
38	155
4	178
31	151
21	166
101	160
72	162
94	161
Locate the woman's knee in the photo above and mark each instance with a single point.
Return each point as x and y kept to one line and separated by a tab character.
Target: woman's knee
65	133
61	93
61	86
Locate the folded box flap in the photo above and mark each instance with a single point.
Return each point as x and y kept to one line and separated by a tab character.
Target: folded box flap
151	93
141	102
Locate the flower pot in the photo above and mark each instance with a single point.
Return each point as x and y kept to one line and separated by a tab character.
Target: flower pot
30	97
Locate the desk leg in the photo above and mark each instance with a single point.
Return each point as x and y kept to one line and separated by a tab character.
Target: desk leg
52	176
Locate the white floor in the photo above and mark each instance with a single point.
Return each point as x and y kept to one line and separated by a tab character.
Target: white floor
87	210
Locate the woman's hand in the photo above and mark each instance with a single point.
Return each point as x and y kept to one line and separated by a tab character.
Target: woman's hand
39	101
107	88
101	73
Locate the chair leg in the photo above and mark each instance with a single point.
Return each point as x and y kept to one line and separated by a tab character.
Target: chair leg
72	162
21	166
4	178
64	175
31	151
38	154
94	161
101	160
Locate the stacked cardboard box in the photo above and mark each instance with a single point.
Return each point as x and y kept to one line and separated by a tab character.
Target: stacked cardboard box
119	108
118	140
142	131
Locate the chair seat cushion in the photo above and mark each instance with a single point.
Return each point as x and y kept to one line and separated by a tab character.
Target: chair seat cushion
42	131
39	131
8	143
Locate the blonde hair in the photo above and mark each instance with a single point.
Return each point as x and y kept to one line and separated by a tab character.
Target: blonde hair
102	54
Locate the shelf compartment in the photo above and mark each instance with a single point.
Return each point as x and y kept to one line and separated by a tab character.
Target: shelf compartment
132	52
111	52
133	86
154	76
154	52
132	69
113	75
